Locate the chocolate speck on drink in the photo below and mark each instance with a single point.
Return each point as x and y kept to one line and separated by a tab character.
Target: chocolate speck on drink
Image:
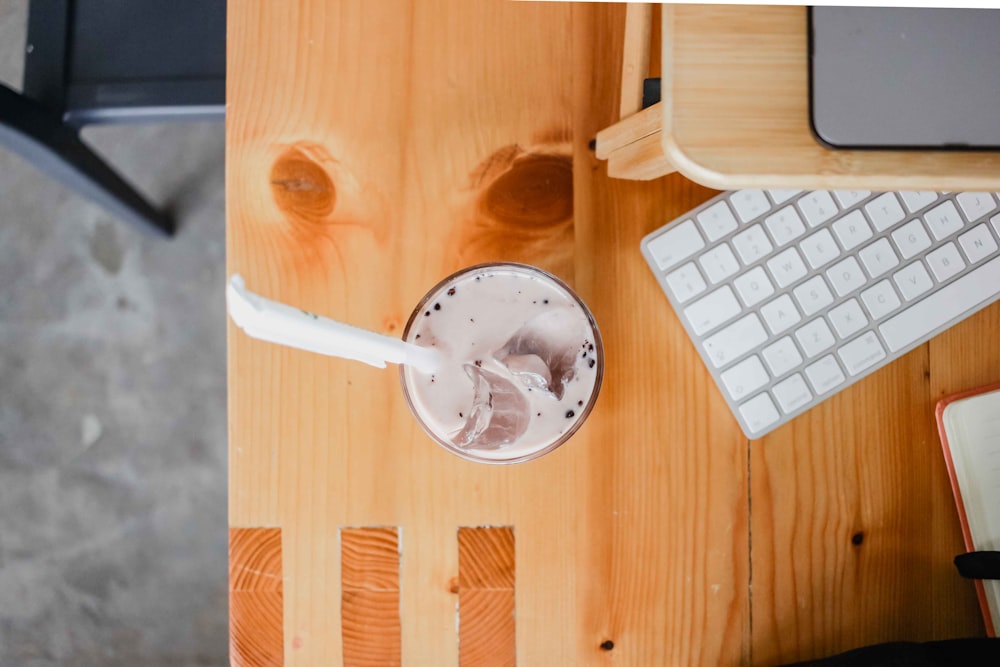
570	414
461	415
545	301
437	306
479	363
592	362
580	403
427	313
417	338
451	292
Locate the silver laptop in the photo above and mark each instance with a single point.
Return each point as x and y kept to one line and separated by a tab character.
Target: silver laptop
905	77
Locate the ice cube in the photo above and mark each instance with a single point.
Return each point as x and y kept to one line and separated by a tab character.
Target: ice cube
554	337
531	370
499	413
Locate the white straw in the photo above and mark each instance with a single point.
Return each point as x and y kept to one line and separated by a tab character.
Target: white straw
279	323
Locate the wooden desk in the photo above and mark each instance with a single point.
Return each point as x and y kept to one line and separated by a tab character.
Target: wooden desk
735	114
364	140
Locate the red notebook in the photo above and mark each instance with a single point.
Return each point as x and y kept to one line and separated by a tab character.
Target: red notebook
969	424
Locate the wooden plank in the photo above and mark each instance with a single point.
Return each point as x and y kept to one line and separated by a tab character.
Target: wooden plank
662	561
486	558
642	160
853	525
628	130
486	628
486	577
374	147
369	579
737	111
255	597
635	56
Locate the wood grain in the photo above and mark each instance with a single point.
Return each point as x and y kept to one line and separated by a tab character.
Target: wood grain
642	160
736	112
662	560
255	597
642	124
369	580
635	56
373	148
486	577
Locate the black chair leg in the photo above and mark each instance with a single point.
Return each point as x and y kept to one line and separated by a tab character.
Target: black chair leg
41	137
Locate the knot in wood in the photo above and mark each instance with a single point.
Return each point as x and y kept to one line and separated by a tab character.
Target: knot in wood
301	187
537	189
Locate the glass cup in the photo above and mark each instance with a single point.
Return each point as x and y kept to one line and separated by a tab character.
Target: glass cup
523	363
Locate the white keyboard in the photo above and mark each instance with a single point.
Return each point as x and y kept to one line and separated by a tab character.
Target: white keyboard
791	296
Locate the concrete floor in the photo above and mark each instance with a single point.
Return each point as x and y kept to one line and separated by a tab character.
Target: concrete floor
112	406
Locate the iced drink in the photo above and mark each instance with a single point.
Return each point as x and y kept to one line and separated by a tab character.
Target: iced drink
522	363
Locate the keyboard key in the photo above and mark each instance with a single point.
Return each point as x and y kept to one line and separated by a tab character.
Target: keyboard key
825	374
736	339
912	280
861	353
785	225
818	207
995	221
780	196
745	377
911	239
717	221
849	198
820	248
852	230
782	356
759	412
884	211
709	312
945	262
719	263
976	204
813	295
915	200
979	286
749	204
880	300
780	314
753	286
675	245
943	220
846	276
686	282
786	267
752	244
847	318
878	258
814	337
977	243
792	393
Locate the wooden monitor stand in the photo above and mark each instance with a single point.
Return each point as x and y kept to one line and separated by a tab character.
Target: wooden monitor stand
735	112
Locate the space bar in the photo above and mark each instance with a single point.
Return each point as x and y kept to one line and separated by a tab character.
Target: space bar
974	288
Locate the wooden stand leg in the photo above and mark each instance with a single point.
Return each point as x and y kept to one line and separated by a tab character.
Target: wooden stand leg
632	145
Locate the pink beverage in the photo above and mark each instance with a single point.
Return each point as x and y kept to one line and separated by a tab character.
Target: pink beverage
522	367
